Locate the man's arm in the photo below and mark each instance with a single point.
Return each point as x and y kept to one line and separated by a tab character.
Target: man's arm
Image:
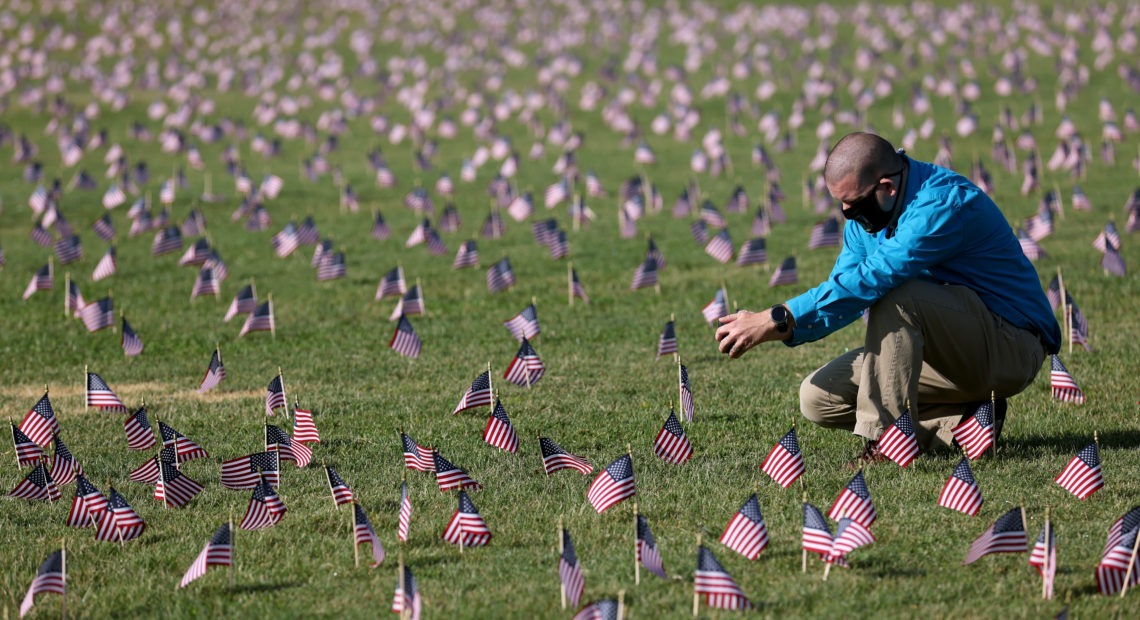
740	331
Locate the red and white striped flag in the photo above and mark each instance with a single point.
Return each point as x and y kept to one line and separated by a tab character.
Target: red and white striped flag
854	502
364	534
570	570
647	552
448	476
341	494
51	577
1006	535
88	504
304	429
467	526
961	491
717	586
140	436
219	551
40	423
99	395
555	458
526	368
746	533
898	442
478	395
1082	476
499	432
976	433
1064	386
785	462
265	508
404	340
405	519
613	485
671	444
849	536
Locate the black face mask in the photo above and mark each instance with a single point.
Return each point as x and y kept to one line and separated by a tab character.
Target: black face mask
866	210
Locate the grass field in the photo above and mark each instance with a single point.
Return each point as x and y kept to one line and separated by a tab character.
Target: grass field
602	389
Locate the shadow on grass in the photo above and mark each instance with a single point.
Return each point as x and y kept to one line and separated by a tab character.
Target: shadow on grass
1071	442
265	587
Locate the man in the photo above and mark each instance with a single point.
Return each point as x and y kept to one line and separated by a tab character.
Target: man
957	312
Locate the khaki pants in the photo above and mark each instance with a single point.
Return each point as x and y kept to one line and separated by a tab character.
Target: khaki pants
935	346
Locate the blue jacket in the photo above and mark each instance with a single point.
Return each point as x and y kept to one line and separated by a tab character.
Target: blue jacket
948	231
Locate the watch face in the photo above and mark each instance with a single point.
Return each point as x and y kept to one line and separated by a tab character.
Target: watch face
779	314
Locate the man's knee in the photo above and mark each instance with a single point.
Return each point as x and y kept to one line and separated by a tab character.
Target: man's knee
815	400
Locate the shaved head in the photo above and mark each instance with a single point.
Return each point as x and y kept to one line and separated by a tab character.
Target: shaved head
862	157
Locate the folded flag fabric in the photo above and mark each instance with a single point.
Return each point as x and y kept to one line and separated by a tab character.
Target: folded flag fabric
554	458
746	533
1006	535
719	589
613	485
219	551
898	442
50	577
467	526
785	462
961	491
1082	476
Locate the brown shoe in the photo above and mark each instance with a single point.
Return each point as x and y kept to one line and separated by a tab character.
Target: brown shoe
869	455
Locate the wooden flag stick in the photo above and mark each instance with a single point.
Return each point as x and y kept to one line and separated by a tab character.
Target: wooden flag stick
1045	561
636	546
66	293
680	386
272	319
1025	526
284	394
696	595
16	449
161	477
403	586
561	550
621	604
826	571
85	396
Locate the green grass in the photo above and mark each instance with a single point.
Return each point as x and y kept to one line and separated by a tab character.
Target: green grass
602	389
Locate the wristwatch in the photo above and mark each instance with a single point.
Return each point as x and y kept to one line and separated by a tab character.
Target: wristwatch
780	317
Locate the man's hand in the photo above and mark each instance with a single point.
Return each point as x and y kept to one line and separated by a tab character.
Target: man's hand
743	330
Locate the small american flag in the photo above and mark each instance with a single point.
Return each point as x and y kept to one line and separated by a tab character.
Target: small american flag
184	448
167	240
467	255
671	444
416	456
526	368
404	340
341	494
405	518
1006	535
686	392
1115	563
576	289
246	472
392	283
746	533
132	345
816	533
175	488
605	609
40	422
88	504
524	324
364	534
898	442
332	267
304	430
647	552
119	522
265	508
824	234
1029	247
961	491
785	273
106	266
140	436
716	308
38	484
500	276
570	570
407	601
467	526
215	373
849	536
478	395
613	485
219	551
260	320
717	586
50	577
720	247
380	229
449	477
98	315
275	395
68	249
287	448
104	228
196	254
1082	476
667	342
1043	557
100	395
785	462
206	283
499	432
645	275
41	281
752	252
27	452
411	304
555	458
975	434
1064	386
854	502
710	215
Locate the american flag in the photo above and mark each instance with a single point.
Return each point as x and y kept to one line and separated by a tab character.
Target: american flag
27	452
287	448
521	207
260	320
710	215
149	472
498	432
785	273
166	192
307	233
265	508
898	442
219	551
87	505
555	458
215	373
785	462
40	422
205	283
364	534
68	249
849	536
1112	262
478	395
816	533
647	552
98	315
570	571
1043	557
1006	535
132	345
1082	476
243	303
717	586
167	240
855	502
605	609
613	484
304	430
41	281
196	254
449	477
100	395
407	601
975	434
671	444
825	234
103	227
1029	247
404	340
50	577
1079	324
184	448
526	368
412	303
493	227
1116	560
752	252
467	526
215	262
40	235
1064	386
322	251
380	229
246	472
686	392
524	324
667	342
416	456
38	484
392	283
175	488
544	231
761	223
716	308
341	494
113	197
106	266
654	252
961	491
645	275
275	395
332	267
271	185
405	518
500	276
140	436
720	247
1110	236
467	255
746	533
119	522
576	288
